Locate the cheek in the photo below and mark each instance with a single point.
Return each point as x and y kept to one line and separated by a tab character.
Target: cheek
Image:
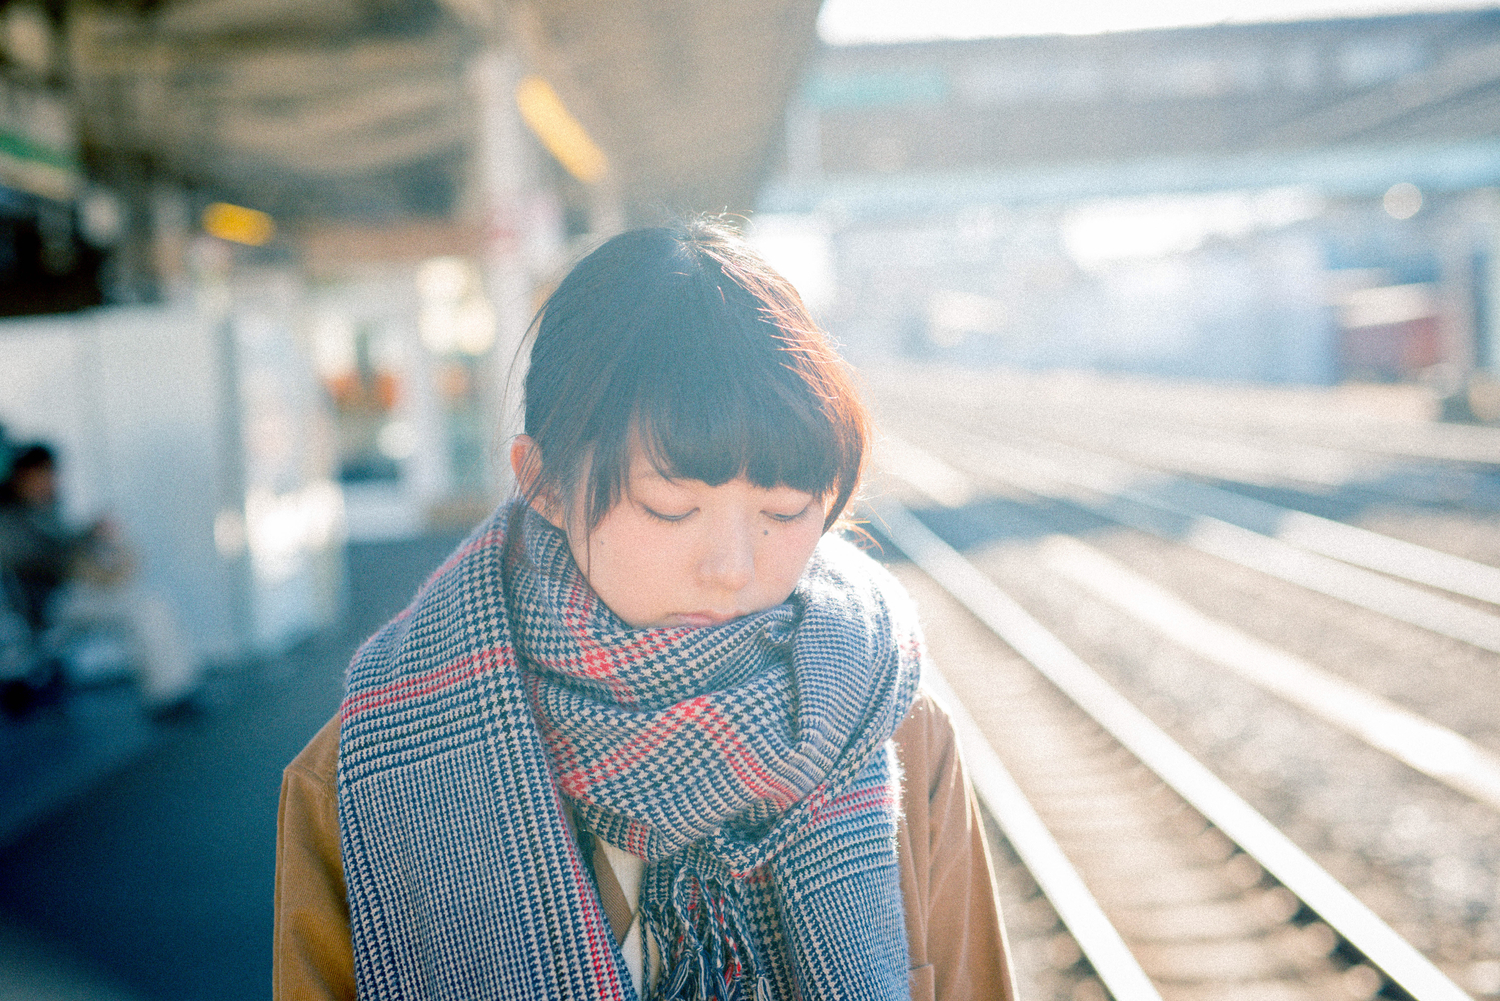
790	554
631	565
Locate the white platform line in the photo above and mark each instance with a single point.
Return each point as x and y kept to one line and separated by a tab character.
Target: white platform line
1207	794
1429	748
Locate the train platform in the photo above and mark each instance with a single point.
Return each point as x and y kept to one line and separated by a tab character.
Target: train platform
137	857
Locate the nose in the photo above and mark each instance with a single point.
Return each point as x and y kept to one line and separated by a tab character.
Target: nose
729	557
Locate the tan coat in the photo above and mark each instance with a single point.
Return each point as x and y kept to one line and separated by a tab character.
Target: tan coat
954	937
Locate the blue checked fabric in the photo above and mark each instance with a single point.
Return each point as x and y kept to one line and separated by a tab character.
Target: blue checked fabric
749	764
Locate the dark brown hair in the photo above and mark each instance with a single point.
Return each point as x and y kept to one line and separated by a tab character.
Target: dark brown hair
686	340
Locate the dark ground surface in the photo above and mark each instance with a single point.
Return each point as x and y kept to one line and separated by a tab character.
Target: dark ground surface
156	870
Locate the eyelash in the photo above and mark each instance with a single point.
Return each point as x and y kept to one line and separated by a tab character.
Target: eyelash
671	519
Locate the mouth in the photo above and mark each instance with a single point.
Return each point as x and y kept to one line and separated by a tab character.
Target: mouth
700	619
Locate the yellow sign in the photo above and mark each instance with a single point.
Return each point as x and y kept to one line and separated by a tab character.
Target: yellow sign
562	134
238	224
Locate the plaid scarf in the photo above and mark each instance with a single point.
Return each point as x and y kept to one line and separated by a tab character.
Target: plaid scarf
748	763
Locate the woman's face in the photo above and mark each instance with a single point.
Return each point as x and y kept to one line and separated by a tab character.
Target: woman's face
682	553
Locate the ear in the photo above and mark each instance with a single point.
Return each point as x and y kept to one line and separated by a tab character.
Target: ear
526	463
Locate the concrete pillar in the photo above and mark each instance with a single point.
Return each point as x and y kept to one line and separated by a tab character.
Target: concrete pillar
1486	216
503	179
1455	241
1484	381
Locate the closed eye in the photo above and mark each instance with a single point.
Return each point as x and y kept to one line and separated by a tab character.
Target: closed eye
661	516
786	518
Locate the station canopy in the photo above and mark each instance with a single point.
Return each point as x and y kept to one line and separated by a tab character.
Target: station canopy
367	108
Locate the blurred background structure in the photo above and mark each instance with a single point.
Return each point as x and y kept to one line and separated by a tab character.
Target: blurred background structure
315	233
335	220
265	266
1308	202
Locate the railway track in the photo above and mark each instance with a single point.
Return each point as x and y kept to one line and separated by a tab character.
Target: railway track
1315	444
1200	912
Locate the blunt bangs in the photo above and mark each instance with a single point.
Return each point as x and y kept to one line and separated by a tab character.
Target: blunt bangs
688	346
740	408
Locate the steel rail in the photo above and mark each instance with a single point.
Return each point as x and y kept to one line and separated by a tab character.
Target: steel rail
1097	939
1347	543
1199	450
1358	586
1202	449
1431	749
1362	929
1232	415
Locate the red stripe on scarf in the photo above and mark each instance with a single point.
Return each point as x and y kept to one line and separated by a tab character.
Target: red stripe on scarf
853	801
598	661
596	925
577	608
435	680
637	837
577	781
746	765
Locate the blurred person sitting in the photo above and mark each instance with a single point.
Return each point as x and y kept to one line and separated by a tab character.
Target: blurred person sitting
24	672
37	549
71	582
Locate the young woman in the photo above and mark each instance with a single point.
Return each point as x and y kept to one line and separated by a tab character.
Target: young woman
653	730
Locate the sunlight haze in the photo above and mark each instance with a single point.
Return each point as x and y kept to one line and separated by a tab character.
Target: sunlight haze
848	22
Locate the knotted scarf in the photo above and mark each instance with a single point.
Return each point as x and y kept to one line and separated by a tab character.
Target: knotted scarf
748	763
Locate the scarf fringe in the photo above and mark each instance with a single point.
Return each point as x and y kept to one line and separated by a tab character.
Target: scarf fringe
705	943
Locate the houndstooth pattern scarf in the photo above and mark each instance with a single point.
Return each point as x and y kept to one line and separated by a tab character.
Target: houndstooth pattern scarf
749	764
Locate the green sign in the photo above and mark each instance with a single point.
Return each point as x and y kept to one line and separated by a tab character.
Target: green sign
876	88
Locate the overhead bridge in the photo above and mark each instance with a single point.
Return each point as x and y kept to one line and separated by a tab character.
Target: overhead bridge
1347	106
